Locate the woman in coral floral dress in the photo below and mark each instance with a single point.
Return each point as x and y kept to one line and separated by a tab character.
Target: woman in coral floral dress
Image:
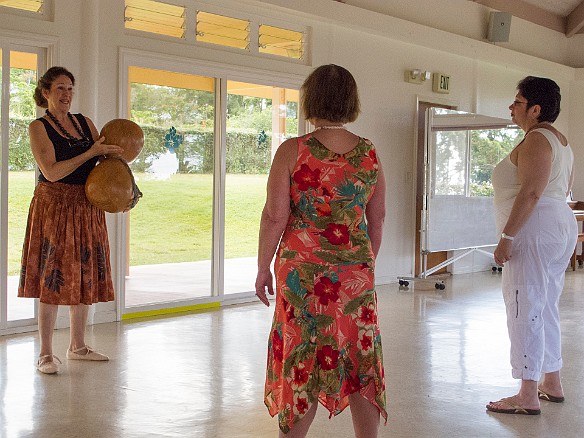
325	207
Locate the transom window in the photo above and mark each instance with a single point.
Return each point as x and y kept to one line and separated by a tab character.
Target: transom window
225	31
24	5
155	17
282	42
161	18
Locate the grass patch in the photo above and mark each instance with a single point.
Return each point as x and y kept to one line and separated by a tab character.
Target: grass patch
172	223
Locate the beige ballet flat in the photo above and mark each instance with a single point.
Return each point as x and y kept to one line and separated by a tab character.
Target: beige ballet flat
46	364
89	354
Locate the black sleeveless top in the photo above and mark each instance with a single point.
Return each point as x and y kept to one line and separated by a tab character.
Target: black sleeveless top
64	151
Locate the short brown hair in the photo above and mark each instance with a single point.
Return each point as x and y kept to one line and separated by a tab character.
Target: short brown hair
330	93
46	81
543	92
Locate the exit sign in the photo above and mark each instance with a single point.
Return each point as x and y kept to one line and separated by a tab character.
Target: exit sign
441	83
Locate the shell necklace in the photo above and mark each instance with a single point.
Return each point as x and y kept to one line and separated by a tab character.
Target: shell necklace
73	142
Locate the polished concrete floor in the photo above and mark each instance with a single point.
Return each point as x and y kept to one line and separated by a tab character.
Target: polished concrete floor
201	375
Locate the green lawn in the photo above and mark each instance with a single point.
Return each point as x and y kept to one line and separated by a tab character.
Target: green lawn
173	220
20	190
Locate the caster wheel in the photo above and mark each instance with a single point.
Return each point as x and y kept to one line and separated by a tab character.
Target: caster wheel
401	282
442	286
494	268
500	269
406	283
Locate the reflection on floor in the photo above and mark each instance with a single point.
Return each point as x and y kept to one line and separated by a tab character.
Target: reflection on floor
168	282
161	283
202	375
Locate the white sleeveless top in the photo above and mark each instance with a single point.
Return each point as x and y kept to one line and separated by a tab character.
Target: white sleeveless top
506	181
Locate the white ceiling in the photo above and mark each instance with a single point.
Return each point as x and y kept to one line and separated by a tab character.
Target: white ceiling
565	16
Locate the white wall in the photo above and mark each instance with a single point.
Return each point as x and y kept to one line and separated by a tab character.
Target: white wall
576	48
470	19
377	48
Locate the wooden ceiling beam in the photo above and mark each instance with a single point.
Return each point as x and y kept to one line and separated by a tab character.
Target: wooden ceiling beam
575	22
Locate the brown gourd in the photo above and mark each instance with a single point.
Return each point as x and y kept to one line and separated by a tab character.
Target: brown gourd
126	134
111	187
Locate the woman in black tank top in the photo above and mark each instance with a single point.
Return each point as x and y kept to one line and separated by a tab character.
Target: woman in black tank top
65	257
65	149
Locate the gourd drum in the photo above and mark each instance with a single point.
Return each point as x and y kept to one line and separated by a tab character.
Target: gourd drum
110	186
126	134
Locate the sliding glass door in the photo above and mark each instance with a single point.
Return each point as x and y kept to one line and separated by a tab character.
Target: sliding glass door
209	143
170	230
19	69
259	119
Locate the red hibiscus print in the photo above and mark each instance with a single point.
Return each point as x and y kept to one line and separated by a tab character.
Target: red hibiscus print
328	358
373	155
326	290
300	403
337	234
299	375
366	315
306	178
277	346
365	342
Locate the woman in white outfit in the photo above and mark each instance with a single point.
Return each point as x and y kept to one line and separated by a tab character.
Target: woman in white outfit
538	236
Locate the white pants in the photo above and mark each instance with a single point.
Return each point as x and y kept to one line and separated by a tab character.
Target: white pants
532	284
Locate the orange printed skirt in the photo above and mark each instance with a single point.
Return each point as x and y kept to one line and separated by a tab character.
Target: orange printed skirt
65	256
325	341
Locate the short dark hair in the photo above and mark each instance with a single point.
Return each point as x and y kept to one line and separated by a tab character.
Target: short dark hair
46	81
543	92
330	93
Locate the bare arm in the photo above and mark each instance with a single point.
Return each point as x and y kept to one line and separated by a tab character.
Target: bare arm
534	164
92	128
375	212
44	152
274	215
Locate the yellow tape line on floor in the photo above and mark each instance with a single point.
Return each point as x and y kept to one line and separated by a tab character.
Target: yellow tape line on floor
171	310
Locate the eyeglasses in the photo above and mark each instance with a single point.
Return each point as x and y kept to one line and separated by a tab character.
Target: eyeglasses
517	102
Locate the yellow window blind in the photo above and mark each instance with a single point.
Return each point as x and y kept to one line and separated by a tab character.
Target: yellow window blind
25	5
281	42
155	17
221	30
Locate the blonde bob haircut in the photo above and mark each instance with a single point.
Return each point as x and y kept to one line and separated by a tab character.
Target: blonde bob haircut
330	93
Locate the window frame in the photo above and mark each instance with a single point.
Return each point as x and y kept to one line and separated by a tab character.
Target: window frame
45	49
